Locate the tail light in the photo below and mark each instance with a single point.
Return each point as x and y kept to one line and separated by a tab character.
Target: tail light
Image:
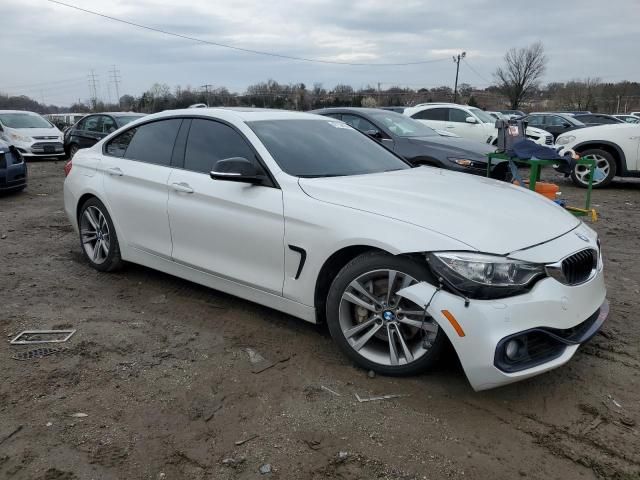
67	168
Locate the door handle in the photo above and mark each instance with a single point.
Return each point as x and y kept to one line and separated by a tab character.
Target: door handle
182	187
451	126
115	171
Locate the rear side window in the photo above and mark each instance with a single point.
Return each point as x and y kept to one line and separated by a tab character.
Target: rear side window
211	141
118	145
441	114
152	142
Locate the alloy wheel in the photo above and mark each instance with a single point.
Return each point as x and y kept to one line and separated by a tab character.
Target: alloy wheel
380	325
603	168
95	235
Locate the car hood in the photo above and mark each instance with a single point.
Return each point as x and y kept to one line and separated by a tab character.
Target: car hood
488	215
603	132
454	146
36	132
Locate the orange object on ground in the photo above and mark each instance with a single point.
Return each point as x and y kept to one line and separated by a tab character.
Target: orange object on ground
545	189
548	190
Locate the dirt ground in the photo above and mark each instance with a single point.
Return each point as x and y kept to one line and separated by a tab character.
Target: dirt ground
162	371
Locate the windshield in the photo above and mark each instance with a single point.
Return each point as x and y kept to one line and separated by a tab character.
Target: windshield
483	116
123	120
402	125
23	120
323	148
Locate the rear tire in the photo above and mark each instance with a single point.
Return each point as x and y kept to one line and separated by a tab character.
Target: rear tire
374	327
73	149
98	239
604	161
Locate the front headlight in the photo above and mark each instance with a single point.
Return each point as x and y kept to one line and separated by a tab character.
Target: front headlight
484	276
463	162
16	137
565	139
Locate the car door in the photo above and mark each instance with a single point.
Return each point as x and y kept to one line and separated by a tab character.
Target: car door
136	165
365	126
230	229
458	124
82	133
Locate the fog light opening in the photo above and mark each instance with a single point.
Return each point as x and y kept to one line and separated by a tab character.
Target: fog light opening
512	349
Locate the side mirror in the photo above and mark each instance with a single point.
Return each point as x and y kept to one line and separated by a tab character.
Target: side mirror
1	128
237	169
471	120
566	125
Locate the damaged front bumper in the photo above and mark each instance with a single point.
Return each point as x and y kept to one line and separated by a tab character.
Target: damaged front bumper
548	324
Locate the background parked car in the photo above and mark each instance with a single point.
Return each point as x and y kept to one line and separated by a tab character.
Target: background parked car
512	113
616	148
468	122
628	118
64	120
31	134
13	169
597	119
93	128
416	142
554	123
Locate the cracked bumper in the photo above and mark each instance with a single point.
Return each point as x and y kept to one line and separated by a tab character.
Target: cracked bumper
484	323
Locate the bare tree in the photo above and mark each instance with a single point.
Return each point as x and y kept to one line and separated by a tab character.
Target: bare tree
520	76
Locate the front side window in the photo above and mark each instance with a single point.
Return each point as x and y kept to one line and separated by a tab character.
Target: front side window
153	142
210	141
323	148
108	124
92	124
457	115
440	114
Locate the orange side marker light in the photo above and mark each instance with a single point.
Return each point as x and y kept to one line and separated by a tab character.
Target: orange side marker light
454	323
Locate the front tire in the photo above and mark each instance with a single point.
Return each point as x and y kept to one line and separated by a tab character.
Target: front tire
605	163
98	238
373	326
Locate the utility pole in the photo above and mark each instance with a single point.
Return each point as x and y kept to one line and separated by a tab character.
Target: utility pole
114	75
93	90
456	60
618	106
207	89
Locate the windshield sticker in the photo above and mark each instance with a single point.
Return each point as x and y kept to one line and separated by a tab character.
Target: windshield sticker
340	125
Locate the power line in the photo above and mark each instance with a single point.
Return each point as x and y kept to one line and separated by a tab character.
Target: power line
476	72
241	49
10	87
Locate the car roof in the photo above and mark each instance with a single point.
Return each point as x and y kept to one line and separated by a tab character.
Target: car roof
239	113
350	109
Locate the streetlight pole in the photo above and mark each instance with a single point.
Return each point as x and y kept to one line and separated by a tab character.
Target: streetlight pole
456	60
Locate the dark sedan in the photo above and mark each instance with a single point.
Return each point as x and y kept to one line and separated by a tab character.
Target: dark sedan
13	169
597	119
93	128
554	123
416	142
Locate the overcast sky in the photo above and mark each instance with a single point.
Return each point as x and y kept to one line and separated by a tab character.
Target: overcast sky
48	50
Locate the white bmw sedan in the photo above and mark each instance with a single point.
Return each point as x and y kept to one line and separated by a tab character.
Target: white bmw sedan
308	216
